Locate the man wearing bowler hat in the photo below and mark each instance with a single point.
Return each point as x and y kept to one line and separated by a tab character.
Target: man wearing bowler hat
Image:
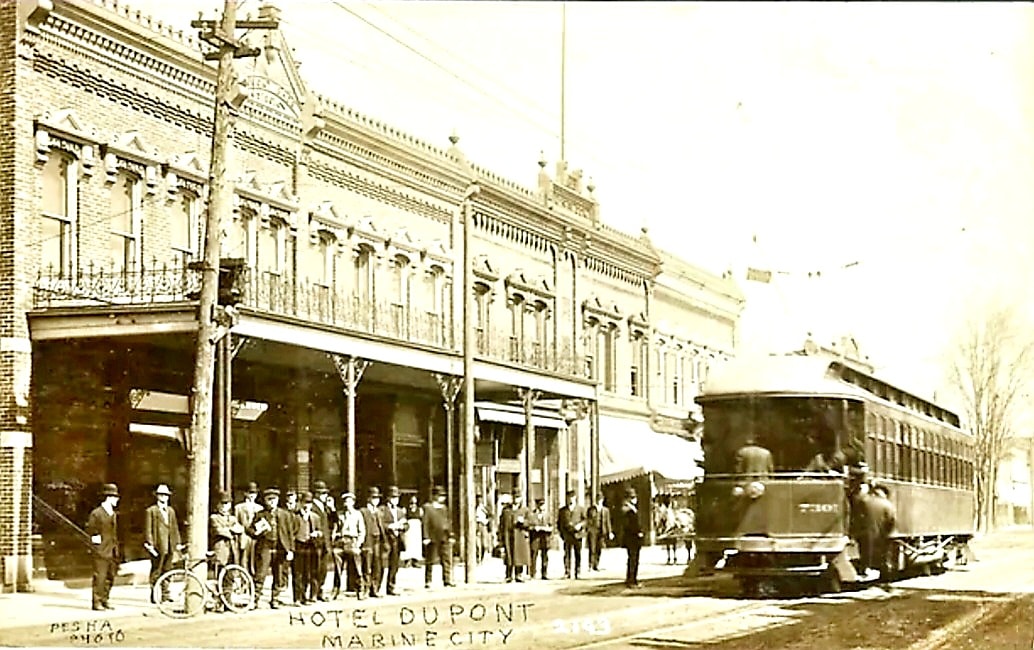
323	505
161	536
394	521
631	537
102	527
373	545
437	527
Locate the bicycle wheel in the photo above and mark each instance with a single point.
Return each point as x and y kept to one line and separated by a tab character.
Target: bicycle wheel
179	594
236	588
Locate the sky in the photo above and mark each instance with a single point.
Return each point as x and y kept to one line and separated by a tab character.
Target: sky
878	156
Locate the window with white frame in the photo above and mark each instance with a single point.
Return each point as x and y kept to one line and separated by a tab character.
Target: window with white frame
57	222
271	244
608	335
364	274
124	218
637	371
482	299
184	228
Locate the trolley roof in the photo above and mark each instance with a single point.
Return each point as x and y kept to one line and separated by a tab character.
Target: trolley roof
779	376
810	376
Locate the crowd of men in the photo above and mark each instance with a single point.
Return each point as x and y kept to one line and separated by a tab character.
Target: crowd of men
305	542
321	550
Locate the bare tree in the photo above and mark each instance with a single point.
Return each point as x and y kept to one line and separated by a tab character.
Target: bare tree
990	366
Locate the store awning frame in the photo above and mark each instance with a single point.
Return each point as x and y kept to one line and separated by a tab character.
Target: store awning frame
506	414
631	448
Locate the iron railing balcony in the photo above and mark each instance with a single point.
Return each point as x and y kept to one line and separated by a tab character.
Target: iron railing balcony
273	293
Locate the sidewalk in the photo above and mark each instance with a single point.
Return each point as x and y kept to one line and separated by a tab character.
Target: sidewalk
53	603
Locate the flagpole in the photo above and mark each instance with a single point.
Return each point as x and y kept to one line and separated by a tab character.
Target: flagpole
563	78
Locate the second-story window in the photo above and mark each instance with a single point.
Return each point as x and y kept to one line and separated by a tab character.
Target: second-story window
57	224
124	223
517	328
637	373
482	325
271	249
608	335
364	275
183	229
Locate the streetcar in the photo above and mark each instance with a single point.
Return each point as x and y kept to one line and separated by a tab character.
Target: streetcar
792	524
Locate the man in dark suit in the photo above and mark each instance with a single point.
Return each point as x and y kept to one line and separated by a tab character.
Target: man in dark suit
631	537
102	527
393	519
161	536
571	524
373	544
323	504
437	525
599	531
274	533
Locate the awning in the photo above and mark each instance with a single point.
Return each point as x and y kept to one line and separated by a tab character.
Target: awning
507	414
630	448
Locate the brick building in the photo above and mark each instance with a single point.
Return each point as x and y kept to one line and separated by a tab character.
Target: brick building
344	362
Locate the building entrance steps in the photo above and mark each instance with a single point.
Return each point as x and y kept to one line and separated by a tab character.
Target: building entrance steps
54	602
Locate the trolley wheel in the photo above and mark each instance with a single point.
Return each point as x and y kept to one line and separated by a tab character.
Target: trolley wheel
749	587
185	594
236	588
831	583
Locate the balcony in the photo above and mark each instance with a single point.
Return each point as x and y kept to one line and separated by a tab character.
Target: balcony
270	293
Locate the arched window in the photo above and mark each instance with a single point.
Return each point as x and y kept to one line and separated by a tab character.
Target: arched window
57	223
124	218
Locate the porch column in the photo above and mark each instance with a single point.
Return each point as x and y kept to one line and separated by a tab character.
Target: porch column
528	397
449	385
350	370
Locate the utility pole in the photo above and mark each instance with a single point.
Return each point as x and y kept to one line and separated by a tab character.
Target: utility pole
214	321
469	523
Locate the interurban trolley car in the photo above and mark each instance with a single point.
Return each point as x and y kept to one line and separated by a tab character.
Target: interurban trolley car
792	525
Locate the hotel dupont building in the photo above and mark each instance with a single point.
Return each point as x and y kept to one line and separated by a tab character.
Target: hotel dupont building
342	359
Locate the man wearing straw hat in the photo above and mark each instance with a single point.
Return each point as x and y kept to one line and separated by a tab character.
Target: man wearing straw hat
161	536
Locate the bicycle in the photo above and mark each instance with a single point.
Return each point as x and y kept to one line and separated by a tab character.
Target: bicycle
188	595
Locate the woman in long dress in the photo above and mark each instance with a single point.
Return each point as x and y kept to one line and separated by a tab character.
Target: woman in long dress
413	538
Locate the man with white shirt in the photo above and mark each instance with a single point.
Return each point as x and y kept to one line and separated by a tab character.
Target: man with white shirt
102	527
161	535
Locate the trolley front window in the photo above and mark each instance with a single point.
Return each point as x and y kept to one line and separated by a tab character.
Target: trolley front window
794	429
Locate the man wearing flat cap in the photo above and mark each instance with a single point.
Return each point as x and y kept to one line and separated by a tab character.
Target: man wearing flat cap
437	527
393	518
309	536
102	527
373	545
245	512
161	536
351	532
223	529
273	531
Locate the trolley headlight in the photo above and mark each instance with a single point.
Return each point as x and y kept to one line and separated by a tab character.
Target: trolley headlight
755	489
